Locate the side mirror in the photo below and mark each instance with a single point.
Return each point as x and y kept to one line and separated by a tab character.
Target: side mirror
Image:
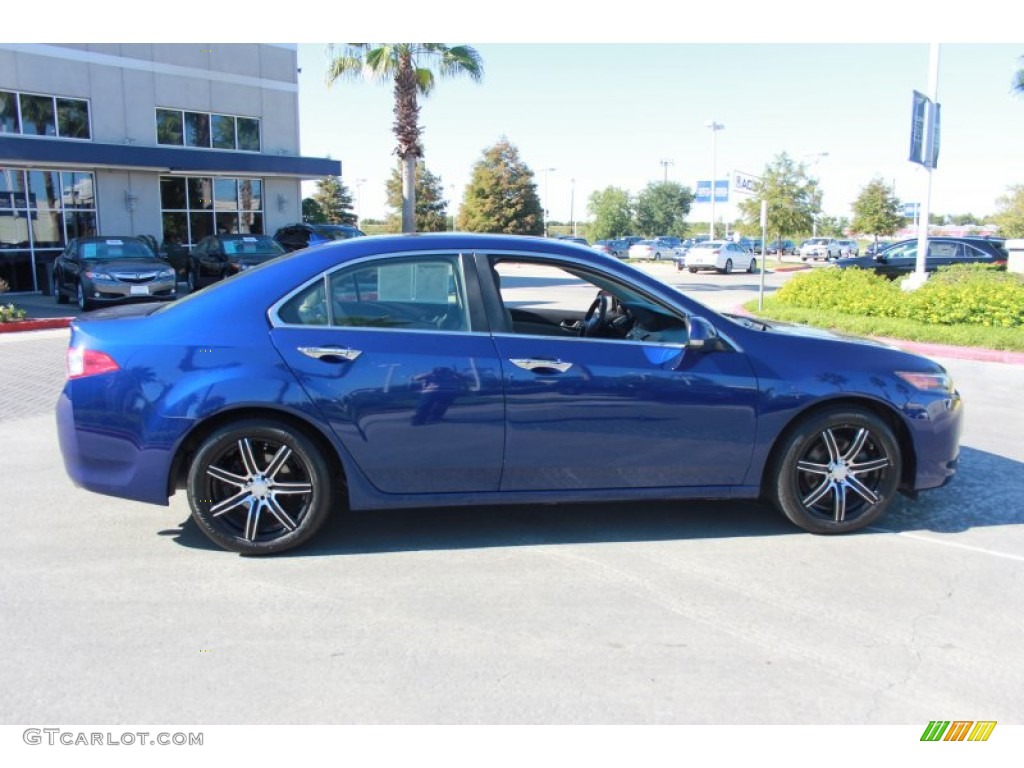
703	335
879	257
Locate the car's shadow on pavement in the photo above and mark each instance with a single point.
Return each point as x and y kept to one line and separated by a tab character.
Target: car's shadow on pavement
985	492
442	528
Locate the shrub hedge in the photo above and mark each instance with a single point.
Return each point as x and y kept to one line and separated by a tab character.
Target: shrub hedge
964	294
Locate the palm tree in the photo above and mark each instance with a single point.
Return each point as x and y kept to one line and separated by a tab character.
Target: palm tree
407	64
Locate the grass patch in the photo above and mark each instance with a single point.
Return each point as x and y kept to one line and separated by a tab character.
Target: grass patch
988	337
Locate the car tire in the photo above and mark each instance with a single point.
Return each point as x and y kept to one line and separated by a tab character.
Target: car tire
258	487
728	267
191	281
693	270
836	471
752	266
58	294
83	303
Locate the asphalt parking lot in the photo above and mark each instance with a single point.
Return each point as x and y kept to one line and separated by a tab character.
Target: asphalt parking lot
116	612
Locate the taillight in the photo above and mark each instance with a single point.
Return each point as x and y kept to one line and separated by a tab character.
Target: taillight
89	362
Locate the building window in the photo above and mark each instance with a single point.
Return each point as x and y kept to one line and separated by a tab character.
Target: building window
35	115
177	128
193	207
40	211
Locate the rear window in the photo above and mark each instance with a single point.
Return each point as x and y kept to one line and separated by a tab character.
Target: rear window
338	233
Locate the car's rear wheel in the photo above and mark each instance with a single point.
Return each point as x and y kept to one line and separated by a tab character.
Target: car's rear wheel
693	270
752	266
193	284
837	471
728	267
58	294
259	487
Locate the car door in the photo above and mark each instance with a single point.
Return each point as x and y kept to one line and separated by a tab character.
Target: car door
63	267
402	369
600	413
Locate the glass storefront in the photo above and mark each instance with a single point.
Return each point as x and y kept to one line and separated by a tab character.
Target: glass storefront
193	207
40	210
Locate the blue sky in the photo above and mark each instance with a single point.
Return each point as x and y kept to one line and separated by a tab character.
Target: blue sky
607	114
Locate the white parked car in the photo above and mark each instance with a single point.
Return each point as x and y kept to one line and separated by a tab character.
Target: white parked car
722	255
820	248
849	248
659	248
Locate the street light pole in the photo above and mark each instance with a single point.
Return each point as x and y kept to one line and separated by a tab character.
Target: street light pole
665	164
359	200
452	196
715	128
544	207
572	207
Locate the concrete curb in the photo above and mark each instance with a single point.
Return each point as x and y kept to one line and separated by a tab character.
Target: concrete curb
35	325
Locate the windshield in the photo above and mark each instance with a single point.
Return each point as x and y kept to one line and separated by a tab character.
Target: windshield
115	248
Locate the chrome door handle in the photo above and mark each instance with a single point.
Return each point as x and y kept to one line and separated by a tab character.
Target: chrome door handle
319	353
541	366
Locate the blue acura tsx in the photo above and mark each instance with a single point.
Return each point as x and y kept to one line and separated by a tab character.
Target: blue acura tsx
430	370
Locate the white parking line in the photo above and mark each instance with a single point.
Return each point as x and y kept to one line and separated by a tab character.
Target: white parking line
930	540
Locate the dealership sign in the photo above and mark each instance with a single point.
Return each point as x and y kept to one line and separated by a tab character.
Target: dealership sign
744	183
721	191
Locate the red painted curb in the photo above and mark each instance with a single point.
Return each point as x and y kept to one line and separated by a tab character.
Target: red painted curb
35	325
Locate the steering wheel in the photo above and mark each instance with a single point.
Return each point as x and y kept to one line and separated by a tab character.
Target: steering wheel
595	316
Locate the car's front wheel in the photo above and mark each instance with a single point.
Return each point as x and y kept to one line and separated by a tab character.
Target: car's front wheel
259	487
837	471
190	279
693	270
752	266
58	294
83	303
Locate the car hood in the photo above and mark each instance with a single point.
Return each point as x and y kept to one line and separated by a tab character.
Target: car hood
810	332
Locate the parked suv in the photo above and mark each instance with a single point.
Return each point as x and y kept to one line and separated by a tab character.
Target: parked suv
296	236
900	258
820	248
111	270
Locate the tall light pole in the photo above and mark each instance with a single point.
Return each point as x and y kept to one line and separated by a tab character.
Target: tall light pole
572	207
665	164
544	207
815	158
715	128
452	197
359	200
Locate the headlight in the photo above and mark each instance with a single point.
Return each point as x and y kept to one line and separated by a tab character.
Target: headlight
928	382
93	274
166	274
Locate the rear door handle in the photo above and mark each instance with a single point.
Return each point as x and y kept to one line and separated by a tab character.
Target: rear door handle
341	353
538	365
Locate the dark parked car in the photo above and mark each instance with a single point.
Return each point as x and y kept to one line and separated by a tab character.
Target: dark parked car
391	372
900	259
783	247
219	256
297	236
96	271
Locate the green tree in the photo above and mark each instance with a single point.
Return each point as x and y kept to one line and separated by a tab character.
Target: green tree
407	66
612	213
794	200
502	195
1010	216
877	210
431	207
312	213
335	201
833	226
662	208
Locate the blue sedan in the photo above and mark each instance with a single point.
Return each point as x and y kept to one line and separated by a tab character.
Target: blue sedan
432	370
